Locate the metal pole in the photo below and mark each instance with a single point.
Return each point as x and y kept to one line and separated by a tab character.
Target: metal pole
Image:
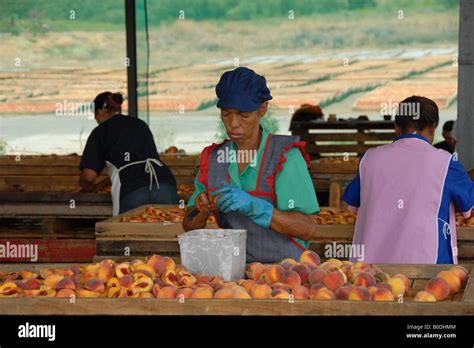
464	126
130	28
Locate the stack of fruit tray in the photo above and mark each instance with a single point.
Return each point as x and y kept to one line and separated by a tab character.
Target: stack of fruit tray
335	165
142	231
158	286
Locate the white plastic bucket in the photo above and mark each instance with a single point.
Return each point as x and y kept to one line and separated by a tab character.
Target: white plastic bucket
214	252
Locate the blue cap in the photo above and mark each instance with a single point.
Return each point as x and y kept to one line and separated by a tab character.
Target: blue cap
242	89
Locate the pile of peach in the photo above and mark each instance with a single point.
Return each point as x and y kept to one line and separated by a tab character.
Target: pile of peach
155	214
160	277
332	217
185	189
462	222
331	280
445	283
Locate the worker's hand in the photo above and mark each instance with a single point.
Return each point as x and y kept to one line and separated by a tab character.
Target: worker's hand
101	186
233	199
77	189
203	203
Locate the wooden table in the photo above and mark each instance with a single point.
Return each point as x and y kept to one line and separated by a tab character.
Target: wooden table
460	304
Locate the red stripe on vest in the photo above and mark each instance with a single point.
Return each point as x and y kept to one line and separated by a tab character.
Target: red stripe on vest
257	187
297	244
204	163
300	145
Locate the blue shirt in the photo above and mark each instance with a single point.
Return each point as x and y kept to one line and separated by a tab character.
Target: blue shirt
458	188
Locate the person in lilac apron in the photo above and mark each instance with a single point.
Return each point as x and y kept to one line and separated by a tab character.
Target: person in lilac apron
125	147
271	196
405	193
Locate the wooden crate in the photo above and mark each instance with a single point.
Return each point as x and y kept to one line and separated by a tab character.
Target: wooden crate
57	240
460	304
336	166
333	175
157	241
344	233
146	238
60	173
354	136
39	173
55	204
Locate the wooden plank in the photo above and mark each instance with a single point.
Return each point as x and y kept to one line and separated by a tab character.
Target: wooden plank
320	184
52	225
114	227
469	290
417	285
68	160
28	160
135	247
55	210
333	167
49	180
298	126
118	306
119	259
335	194
39	170
56	250
190	160
465	249
55	197
347	232
334	136
71	234
419	271
349	148
143	230
36	267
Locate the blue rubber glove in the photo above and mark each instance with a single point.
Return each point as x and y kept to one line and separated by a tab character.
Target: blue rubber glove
234	199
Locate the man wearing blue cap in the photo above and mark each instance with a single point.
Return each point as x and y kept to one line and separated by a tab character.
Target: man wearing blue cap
261	180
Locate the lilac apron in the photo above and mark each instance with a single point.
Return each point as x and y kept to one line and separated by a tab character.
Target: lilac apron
401	191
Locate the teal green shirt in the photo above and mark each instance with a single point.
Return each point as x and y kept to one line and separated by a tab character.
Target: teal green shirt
293	185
